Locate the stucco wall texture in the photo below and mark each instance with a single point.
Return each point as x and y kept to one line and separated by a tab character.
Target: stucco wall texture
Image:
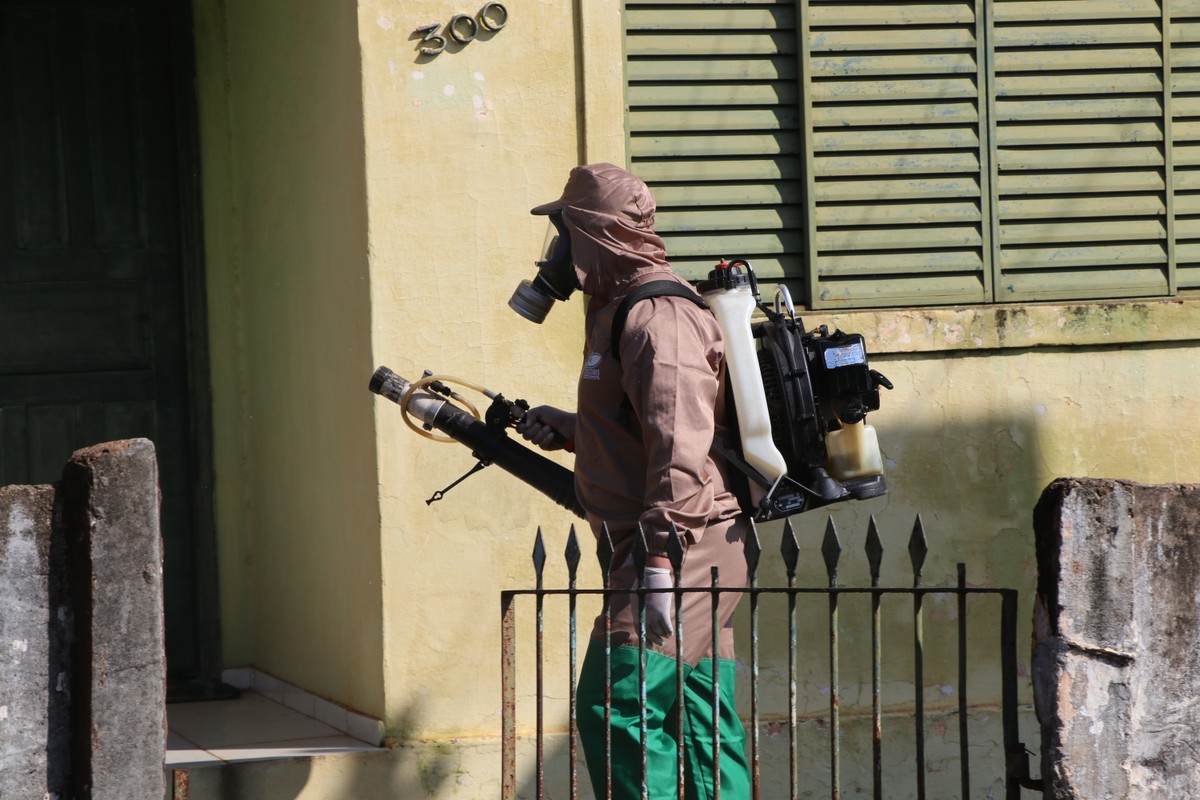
365	205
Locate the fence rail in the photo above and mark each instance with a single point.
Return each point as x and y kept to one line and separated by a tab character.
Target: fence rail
1016	769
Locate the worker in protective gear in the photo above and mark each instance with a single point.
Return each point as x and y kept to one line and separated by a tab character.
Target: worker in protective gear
642	433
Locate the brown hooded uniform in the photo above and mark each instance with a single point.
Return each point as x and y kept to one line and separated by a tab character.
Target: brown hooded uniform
644	430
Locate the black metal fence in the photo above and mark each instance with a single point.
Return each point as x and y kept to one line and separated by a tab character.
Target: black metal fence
1015	770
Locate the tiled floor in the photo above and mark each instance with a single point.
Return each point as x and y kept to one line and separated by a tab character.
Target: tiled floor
250	728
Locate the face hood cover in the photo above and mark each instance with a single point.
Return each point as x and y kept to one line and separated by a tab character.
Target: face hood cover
610	215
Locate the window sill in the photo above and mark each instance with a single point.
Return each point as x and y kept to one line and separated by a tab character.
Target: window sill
995	327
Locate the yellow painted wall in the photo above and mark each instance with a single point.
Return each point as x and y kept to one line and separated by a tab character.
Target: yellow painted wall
365	205
459	147
286	252
987	409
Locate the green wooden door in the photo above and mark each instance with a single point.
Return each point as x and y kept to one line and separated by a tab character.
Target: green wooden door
92	344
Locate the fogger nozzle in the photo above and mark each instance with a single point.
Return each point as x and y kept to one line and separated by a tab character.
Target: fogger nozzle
487	444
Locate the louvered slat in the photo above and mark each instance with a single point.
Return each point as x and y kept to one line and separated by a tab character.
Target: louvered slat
908	64
867	139
735	44
874	15
714	146
1096	82
701	120
869	190
916	213
1050	60
716	94
1107	279
1073	184
1076	10
761	193
1085	157
909	90
903	263
726	69
1022	208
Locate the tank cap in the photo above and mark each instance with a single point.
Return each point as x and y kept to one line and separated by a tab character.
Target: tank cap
725	276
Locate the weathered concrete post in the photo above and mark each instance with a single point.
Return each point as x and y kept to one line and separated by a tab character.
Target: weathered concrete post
82	662
110	502
34	626
1116	662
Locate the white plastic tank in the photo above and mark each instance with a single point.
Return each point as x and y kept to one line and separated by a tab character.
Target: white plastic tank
733	304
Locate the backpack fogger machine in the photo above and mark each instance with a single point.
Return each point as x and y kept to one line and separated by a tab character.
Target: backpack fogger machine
800	398
799	437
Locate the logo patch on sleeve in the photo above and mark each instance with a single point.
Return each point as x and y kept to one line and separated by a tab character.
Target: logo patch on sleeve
591	367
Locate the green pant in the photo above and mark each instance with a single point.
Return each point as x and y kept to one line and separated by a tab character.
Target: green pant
662	709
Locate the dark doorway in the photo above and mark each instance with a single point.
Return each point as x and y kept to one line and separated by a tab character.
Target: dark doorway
98	332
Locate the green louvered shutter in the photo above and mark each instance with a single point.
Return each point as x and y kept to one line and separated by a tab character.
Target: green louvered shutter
1185	127
877	154
894	117
1080	150
713	120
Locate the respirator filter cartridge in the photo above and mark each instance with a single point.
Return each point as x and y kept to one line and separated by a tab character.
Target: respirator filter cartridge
530	302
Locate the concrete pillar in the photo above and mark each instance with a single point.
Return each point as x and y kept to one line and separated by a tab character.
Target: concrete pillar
1116	661
110	502
34	624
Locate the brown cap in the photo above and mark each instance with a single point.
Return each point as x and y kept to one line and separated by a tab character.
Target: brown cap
605	188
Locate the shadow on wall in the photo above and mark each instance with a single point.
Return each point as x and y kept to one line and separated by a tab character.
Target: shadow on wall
400	771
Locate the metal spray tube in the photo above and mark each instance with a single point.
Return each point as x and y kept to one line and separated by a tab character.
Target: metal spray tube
487	444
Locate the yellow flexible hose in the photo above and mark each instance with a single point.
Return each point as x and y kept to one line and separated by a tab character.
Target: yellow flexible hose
446	379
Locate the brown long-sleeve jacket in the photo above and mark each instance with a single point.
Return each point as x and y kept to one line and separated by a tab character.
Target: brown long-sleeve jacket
645	424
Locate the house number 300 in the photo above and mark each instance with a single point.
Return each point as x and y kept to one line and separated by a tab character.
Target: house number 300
462	28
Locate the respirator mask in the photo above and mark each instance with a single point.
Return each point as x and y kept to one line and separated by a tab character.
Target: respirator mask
555	279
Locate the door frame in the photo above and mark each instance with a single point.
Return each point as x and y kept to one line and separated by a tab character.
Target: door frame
195	307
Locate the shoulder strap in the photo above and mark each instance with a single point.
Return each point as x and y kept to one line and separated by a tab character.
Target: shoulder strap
646	290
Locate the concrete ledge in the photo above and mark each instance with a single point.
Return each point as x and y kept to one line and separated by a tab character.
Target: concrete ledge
992	327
